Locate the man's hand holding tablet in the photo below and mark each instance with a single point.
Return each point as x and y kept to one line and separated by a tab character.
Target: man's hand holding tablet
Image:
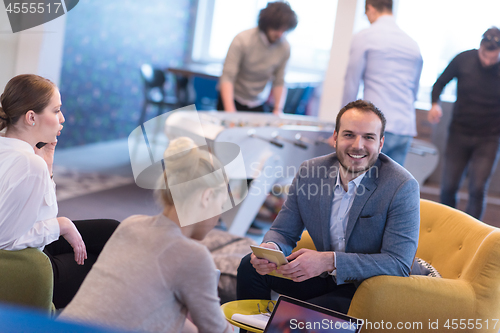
266	259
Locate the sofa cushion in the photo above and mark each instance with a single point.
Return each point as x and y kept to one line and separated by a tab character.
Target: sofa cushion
422	267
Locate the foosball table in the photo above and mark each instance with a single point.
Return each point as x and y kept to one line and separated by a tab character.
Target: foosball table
271	147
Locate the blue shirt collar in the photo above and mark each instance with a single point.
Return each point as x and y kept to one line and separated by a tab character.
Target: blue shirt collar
356	180
385	19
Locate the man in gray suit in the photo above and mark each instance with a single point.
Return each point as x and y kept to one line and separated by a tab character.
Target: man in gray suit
361	209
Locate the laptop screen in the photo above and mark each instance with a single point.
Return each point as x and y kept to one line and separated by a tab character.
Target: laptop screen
292	316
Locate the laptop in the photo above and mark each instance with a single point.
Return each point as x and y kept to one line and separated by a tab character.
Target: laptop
293	315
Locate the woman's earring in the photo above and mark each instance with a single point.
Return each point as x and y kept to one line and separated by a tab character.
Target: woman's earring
33	124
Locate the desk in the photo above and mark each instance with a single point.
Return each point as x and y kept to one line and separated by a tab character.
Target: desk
207	71
185	74
247	307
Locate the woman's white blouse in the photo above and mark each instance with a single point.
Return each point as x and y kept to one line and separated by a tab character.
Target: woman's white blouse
28	206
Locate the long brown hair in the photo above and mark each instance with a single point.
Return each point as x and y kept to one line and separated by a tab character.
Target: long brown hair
24	93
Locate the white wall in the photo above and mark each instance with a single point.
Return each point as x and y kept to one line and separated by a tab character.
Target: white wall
37	50
333	86
8	49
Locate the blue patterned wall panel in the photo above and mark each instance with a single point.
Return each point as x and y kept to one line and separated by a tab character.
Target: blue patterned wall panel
106	42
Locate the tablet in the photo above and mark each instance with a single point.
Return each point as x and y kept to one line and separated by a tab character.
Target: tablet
275	256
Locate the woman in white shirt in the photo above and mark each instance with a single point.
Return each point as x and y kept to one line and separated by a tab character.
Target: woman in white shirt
153	272
30	112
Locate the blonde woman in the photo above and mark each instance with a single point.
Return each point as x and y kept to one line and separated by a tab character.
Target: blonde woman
153	273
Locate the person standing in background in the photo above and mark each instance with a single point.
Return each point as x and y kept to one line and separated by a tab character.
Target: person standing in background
389	64
256	57
474	131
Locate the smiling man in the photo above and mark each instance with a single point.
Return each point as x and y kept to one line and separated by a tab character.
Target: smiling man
474	132
361	210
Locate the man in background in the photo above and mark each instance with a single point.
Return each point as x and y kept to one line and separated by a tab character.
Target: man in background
389	64
474	132
256	57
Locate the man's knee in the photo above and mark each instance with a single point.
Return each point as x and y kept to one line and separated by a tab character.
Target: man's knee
245	267
449	186
249	283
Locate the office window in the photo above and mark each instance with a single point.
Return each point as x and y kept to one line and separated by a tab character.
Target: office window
218	21
443	29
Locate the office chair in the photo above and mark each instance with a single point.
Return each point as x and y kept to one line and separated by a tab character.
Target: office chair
154	91
26	279
297	100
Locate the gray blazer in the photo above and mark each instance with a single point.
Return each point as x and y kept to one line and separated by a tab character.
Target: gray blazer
384	220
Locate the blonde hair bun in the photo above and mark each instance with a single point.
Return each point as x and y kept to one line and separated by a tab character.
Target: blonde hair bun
178	148
182	156
190	165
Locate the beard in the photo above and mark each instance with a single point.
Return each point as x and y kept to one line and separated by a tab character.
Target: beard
356	170
272	41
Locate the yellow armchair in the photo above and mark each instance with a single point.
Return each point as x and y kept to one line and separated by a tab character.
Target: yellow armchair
466	252
305	242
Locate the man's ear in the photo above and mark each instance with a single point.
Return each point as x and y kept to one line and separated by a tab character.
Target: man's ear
368	9
371	13
381	144
334	138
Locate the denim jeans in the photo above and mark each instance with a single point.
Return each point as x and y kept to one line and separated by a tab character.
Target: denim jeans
474	156
396	146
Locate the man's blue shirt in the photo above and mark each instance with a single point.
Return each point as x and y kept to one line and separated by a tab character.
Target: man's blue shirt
389	63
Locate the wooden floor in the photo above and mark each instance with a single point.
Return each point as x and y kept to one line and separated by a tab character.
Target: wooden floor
491	215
